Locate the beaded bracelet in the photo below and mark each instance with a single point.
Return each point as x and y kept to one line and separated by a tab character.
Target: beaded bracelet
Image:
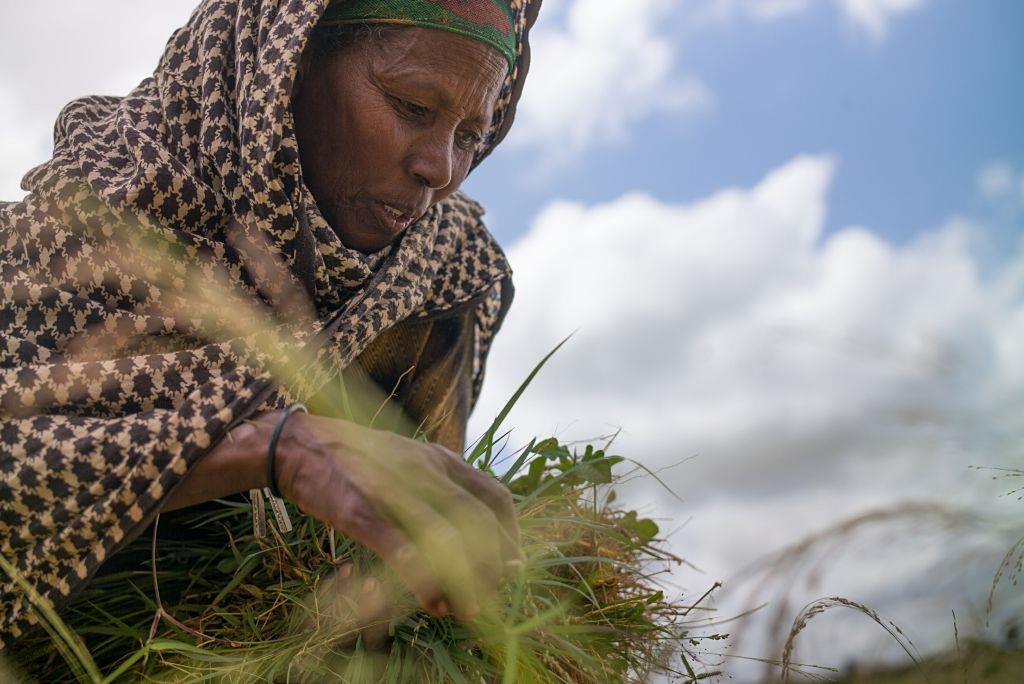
272	447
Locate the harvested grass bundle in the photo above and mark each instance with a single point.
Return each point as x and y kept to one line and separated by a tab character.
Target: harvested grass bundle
218	604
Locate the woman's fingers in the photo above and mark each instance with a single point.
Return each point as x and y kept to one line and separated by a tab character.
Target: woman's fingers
477	522
446	529
447	547
350	605
494	494
360	520
417	492
355	500
373	611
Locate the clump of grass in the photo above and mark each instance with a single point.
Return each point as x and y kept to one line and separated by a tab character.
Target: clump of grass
202	599
218	604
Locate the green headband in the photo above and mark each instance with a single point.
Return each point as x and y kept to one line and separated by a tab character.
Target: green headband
489	21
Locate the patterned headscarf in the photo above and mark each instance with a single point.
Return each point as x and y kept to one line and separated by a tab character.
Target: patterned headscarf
112	385
489	21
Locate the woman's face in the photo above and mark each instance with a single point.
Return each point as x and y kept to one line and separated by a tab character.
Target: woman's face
388	127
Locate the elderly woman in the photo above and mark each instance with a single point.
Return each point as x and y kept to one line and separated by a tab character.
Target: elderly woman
281	147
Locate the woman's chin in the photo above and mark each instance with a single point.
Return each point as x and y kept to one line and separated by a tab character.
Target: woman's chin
370	246
363	232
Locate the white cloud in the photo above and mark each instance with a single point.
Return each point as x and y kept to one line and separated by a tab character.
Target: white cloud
874	16
607	67
870	16
814	375
52	51
997	180
1000	182
24	143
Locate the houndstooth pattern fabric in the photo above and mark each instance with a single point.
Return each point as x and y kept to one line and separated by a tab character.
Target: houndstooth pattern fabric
116	374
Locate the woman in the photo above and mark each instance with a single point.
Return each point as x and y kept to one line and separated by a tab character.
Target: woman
306	158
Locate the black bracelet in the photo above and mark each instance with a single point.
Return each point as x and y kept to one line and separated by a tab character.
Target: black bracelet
272	448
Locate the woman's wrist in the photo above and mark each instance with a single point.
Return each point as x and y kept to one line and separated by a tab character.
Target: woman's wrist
236	464
250	440
275	441
239	462
285	461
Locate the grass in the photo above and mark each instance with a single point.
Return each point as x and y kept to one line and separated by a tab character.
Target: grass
202	599
216	604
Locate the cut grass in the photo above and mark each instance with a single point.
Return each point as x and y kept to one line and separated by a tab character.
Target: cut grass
202	599
216	604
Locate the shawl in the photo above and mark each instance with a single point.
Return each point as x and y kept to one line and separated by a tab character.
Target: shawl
114	379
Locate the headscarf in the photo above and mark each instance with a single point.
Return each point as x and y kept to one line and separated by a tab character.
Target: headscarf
489	21
112	384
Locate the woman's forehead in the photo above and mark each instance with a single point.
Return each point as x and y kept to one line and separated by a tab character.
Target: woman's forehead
434	60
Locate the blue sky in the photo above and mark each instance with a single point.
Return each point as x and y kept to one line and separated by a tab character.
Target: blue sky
911	117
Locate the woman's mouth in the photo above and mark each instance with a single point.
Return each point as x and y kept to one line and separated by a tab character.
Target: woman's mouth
391	216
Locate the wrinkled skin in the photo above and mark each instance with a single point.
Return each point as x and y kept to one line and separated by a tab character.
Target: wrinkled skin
393	120
396	121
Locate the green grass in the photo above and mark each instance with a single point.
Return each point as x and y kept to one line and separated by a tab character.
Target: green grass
207	601
202	599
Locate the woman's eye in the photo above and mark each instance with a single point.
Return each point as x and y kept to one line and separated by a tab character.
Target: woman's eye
467	140
411	108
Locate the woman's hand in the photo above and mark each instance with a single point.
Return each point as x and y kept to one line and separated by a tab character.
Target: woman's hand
445	528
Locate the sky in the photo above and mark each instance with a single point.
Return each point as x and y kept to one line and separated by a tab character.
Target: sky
786	235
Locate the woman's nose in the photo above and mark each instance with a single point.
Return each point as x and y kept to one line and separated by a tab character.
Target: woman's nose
432	161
